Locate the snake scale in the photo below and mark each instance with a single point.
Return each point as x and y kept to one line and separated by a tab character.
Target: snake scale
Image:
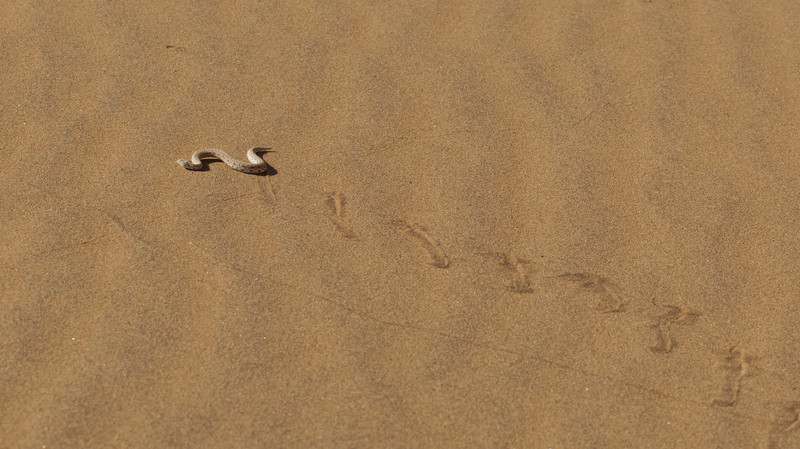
256	165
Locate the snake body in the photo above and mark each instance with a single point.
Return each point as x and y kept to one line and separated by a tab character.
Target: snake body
256	165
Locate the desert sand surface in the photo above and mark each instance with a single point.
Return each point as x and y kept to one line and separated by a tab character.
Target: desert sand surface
513	224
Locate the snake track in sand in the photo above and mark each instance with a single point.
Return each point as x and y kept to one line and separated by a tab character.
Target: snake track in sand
256	165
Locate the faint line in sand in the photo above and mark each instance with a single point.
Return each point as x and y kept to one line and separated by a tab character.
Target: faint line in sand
521	281
793	421
336	202
788	420
610	298
261	277
440	259
664	322
738	363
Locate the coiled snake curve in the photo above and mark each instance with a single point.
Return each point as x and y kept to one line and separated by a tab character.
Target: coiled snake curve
256	165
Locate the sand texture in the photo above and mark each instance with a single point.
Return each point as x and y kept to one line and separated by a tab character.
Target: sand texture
485	224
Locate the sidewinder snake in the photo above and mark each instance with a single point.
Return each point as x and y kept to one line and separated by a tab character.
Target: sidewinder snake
256	165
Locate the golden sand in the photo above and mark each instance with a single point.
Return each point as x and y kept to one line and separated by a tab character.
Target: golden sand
561	224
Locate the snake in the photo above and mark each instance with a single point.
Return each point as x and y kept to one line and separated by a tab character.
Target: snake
256	165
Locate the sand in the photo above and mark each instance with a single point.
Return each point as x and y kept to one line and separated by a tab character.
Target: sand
487	224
